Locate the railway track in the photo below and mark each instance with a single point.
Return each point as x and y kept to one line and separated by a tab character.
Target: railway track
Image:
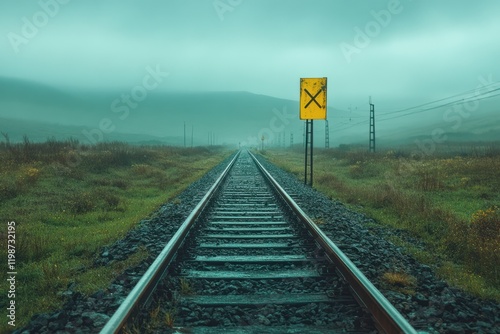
248	260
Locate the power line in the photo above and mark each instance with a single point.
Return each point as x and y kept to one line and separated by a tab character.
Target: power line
449	104
447	98
464	99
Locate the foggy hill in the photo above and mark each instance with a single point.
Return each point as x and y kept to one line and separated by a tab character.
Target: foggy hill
41	131
447	124
225	117
35	101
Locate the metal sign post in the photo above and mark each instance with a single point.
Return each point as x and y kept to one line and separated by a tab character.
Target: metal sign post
327	134
312	106
308	162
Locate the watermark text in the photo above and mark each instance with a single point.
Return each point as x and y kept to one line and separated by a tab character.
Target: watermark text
372	29
11	273
31	27
127	101
223	6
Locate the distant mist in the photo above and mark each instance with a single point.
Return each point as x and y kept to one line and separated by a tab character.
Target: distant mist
232	118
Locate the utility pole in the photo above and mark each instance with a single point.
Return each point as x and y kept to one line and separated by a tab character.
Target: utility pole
371	146
211	138
184	134
291	139
192	136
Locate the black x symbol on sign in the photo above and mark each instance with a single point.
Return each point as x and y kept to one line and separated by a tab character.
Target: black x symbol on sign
313	98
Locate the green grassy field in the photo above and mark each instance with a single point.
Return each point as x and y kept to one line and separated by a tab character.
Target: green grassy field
69	200
448	202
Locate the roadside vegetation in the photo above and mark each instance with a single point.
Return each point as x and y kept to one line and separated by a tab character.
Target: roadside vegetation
68	200
449	201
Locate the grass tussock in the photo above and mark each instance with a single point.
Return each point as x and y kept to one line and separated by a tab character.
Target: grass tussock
448	200
69	200
169	318
185	287
159	318
400	281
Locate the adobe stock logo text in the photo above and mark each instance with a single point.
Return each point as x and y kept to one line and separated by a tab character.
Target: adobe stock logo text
31	27
372	29
126	102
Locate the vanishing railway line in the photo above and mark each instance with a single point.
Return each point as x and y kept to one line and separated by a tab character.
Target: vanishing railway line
248	260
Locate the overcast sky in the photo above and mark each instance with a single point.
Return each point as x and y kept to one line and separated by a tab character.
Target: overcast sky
406	51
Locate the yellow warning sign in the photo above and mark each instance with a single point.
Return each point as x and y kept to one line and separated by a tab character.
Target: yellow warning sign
312	98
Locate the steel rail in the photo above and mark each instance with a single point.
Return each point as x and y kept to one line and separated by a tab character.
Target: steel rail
388	319
143	290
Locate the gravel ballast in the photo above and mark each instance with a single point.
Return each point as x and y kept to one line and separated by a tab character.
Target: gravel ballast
435	306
